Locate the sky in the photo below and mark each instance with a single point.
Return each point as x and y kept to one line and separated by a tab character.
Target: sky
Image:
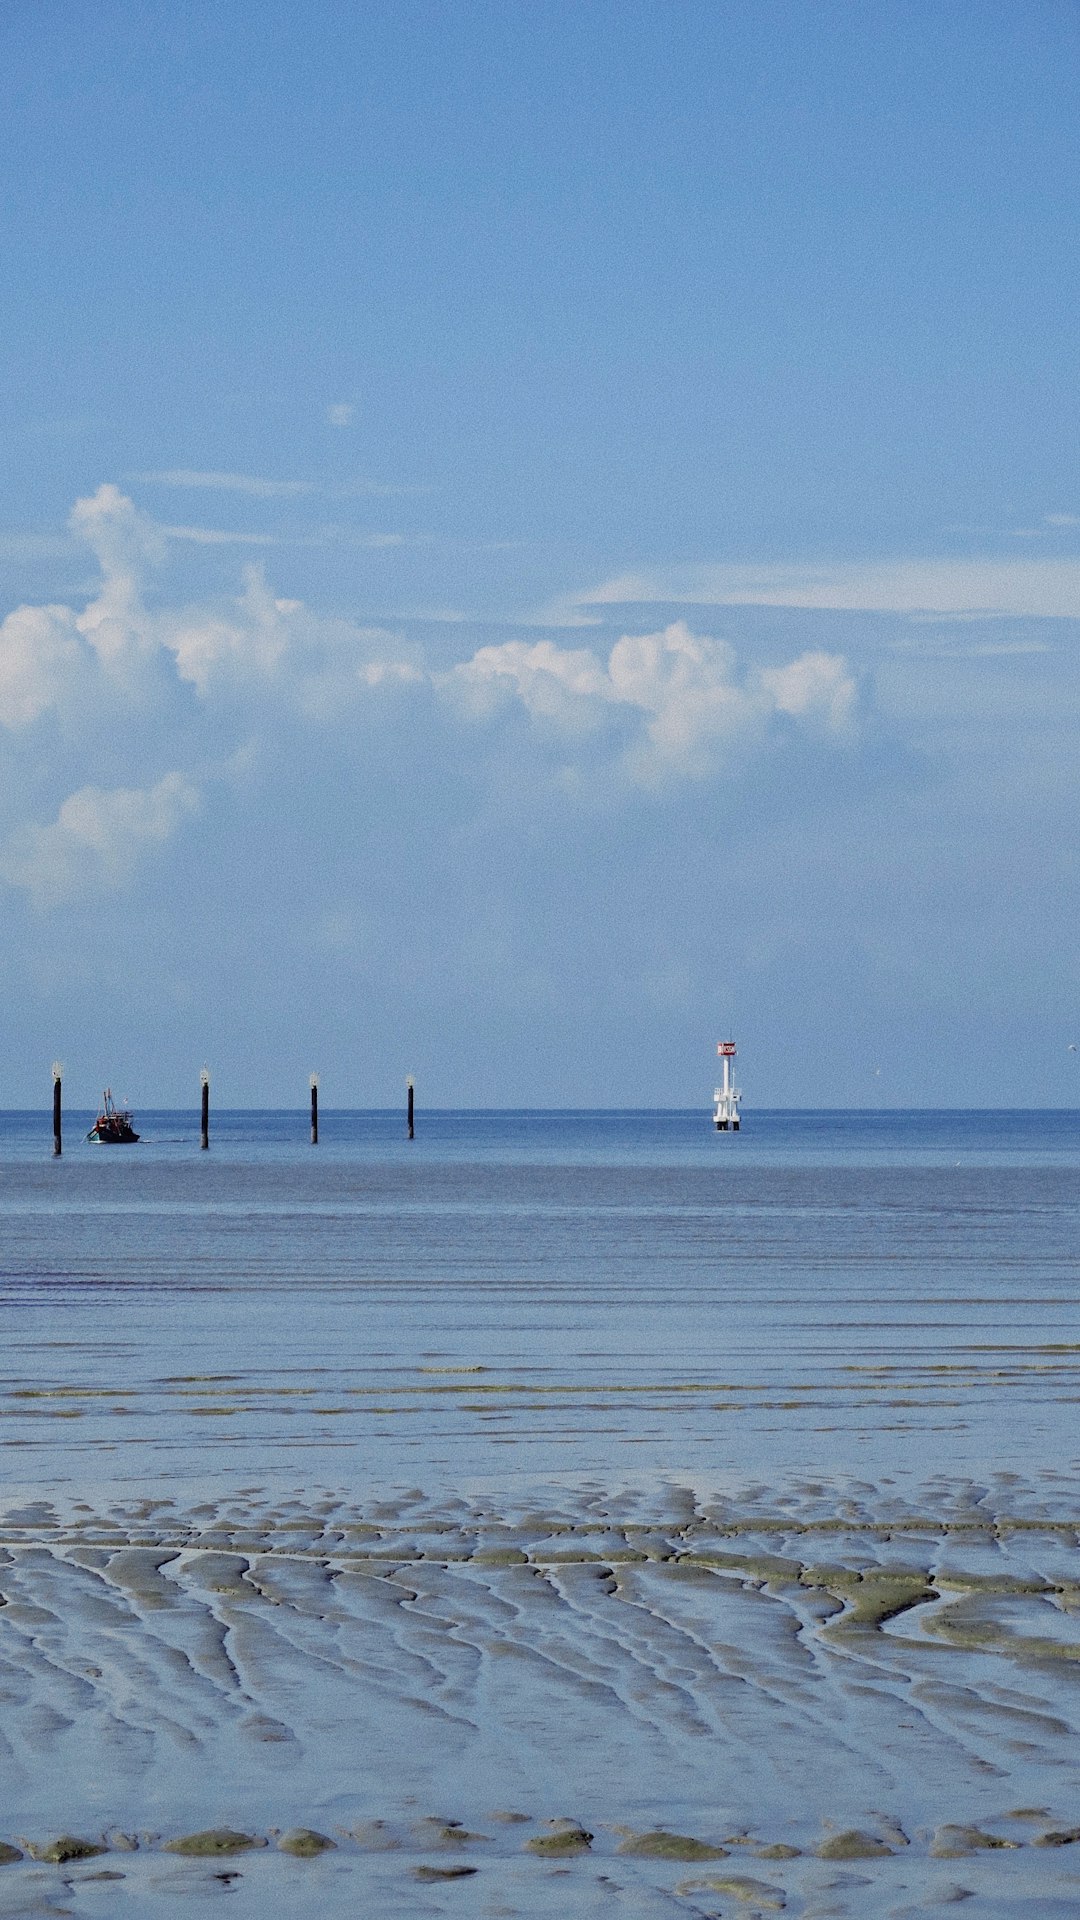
535	538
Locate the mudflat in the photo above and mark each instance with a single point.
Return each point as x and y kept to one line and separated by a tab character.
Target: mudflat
549	1522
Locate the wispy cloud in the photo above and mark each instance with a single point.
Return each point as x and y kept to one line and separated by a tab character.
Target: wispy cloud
259	487
214	482
225	537
340	414
991	587
329	536
938	649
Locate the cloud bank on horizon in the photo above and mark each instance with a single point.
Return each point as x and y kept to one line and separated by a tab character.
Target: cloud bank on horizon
505	782
658	707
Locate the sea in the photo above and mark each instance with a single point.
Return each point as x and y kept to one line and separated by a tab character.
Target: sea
489	1504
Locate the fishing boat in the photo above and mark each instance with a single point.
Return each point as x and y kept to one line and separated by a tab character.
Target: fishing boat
113	1127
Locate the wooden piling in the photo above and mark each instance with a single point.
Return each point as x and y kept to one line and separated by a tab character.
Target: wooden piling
57	1116
314	1109
204	1082
409	1096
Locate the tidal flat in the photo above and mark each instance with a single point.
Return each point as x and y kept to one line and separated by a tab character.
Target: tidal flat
572	1516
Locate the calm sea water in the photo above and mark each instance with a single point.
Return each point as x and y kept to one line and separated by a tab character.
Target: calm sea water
516	1293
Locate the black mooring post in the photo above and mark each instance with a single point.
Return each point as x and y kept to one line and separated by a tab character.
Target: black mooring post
314	1109
57	1105
204	1137
409	1092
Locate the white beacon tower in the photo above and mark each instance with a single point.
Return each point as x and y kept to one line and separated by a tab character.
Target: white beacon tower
727	1095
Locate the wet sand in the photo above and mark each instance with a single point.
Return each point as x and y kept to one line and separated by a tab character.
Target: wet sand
823	1698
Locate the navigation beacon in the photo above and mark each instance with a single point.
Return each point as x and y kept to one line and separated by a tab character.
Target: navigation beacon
727	1096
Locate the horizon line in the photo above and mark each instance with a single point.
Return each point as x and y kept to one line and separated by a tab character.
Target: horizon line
703	1108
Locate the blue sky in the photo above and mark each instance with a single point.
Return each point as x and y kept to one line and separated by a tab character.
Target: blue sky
532	536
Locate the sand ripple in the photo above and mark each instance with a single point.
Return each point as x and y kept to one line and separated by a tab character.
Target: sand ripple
765	1668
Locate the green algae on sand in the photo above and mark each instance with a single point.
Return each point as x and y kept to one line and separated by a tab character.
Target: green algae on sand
659	1844
457	1872
739	1886
446	1833
213	1843
853	1844
304	1843
564	1841
953	1842
59	1852
871	1597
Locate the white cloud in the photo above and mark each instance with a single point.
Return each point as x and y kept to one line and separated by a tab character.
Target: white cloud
693	710
55	656
550	682
44	650
249	640
124	539
815	684
125	542
40	649
96	840
663	704
314	664
341	413
1011	586
380	673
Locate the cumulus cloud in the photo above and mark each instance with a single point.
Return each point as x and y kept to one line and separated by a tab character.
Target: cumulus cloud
680	698
689	709
40	650
556	683
315	665
817	684
47	653
125	542
687	687
251	638
96	841
657	707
